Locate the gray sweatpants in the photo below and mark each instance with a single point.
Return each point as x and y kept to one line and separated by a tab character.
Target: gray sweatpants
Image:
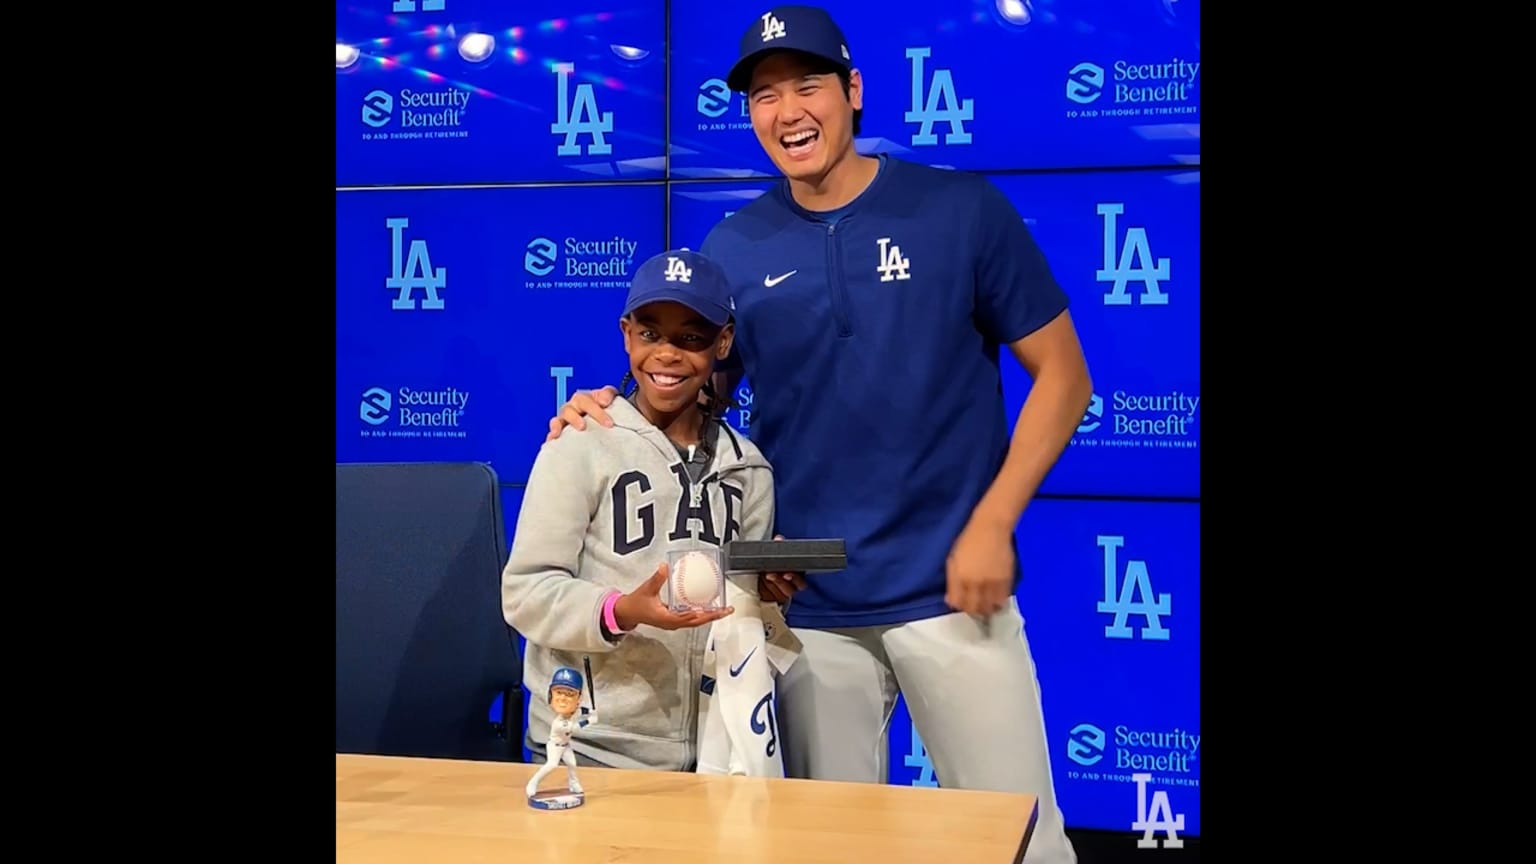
970	686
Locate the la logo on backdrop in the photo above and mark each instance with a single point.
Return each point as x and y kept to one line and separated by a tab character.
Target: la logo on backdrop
940	106
579	117
411	272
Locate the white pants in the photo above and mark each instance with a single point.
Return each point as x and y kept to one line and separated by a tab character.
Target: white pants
557	754
971	688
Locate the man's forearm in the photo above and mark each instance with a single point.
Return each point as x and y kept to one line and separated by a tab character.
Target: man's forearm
1051	413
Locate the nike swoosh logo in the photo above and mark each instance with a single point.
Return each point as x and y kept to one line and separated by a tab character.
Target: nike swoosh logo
736	670
770	281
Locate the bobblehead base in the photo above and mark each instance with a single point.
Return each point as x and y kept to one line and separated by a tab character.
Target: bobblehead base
695	580
556	799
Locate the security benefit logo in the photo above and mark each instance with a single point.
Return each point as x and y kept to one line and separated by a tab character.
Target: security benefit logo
582	128
720	110
1124	88
415	113
739	415
935	104
1116	753
412	412
1128	418
579	262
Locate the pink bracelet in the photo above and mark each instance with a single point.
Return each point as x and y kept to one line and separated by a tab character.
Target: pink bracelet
608	620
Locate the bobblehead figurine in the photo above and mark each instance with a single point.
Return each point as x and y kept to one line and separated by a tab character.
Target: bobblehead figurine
565	698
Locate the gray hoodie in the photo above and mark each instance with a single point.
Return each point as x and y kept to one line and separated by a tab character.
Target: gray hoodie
601	510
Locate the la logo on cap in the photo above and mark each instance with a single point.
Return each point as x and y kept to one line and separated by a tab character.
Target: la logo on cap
677	271
773	28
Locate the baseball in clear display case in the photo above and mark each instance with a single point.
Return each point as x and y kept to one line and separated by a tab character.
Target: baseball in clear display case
695	580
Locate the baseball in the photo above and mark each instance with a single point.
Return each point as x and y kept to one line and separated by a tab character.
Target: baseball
696	579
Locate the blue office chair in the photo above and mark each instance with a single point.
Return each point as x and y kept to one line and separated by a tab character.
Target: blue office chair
422	650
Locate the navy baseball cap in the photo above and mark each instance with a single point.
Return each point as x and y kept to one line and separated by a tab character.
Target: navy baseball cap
806	29
685	277
565	676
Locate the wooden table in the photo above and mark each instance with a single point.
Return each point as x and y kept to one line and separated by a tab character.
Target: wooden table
440	811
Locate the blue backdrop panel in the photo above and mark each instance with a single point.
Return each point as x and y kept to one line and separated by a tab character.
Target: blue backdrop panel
1135	302
699	207
528	288
1111	603
415	377
1111	597
474	91
1126	247
984	84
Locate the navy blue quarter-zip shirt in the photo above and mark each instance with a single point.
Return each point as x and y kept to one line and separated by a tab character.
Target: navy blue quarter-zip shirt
871	337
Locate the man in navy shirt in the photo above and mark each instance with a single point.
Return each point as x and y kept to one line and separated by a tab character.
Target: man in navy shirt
872	298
